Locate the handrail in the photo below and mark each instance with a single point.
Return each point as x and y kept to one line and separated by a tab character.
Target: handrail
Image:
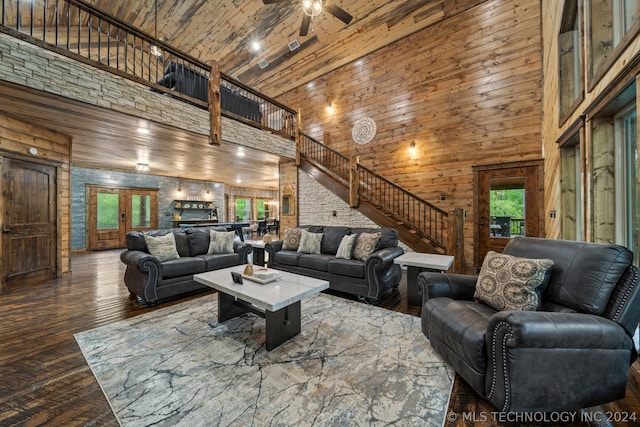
79	30
415	213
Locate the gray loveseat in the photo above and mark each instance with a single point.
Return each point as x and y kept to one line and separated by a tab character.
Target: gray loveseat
152	280
369	279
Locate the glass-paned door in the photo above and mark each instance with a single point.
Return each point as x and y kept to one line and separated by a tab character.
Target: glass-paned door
113	212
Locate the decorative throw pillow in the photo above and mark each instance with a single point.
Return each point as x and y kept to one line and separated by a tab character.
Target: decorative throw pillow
365	245
291	239
221	242
162	247
507	282
310	242
346	246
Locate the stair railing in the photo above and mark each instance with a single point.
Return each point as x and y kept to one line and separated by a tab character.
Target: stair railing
425	219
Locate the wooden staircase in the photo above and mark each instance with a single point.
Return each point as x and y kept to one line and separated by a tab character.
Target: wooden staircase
420	225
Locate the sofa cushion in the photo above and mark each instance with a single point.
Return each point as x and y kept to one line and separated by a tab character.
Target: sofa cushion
182	244
220	242
365	245
460	326
345	249
162	247
310	242
583	275
332	236
507	282
292	238
198	239
182	267
287	257
389	238
346	267
218	261
315	262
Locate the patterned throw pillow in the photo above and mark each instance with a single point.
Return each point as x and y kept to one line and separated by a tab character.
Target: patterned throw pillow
162	247
310	242
365	245
346	246
221	242
291	238
507	282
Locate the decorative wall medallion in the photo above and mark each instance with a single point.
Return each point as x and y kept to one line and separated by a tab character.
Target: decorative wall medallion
364	130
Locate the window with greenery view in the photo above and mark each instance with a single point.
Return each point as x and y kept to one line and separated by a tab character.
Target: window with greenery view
108	211
243	210
507	207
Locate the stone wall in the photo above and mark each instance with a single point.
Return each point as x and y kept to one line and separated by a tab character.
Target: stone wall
167	193
317	205
37	68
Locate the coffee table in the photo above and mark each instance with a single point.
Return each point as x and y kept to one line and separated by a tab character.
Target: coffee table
417	262
278	302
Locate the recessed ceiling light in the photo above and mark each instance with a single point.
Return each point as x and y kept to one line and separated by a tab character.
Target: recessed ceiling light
240	152
238	181
143	131
255	46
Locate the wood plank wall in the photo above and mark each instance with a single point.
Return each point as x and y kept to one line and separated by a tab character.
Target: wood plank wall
54	149
467	91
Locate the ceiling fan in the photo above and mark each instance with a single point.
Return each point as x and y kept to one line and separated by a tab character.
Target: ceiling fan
313	8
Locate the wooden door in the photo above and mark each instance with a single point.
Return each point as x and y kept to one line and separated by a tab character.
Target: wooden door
509	203
113	212
29	222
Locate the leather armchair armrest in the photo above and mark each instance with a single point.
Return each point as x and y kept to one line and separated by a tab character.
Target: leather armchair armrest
382	258
541	329
138	259
533	354
455	286
243	249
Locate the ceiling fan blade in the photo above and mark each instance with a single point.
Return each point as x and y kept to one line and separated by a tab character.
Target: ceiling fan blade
274	1
304	28
339	13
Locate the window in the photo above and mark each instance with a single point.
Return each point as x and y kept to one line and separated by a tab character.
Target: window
507	207
263	209
614	173
610	22
108	207
626	179
572	210
569	50
243	210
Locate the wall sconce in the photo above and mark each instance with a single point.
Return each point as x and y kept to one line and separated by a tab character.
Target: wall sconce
142	167
412	148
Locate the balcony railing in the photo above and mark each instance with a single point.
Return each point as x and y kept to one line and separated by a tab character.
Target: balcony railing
76	29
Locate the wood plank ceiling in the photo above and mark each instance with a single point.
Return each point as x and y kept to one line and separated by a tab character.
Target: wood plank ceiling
224	30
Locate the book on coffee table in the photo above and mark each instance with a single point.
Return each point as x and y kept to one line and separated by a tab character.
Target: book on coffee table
262	275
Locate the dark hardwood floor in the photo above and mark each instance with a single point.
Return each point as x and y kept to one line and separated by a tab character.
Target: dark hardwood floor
45	380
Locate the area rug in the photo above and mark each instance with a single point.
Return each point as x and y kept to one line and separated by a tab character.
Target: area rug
352	364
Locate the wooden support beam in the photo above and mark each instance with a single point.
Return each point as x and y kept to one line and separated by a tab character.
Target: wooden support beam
354	199
455	239
215	131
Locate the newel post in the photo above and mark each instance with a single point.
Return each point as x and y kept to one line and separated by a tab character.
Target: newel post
354	182
215	127
298	140
455	239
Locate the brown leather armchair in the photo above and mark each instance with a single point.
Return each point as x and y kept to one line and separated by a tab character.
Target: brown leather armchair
573	352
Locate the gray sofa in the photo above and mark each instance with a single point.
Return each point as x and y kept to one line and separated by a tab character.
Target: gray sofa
369	280
153	281
573	352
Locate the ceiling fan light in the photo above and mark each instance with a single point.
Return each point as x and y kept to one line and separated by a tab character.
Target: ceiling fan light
312	8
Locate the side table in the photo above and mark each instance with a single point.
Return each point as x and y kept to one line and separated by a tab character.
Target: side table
258	252
416	263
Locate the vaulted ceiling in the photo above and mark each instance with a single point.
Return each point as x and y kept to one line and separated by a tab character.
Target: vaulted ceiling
224	30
